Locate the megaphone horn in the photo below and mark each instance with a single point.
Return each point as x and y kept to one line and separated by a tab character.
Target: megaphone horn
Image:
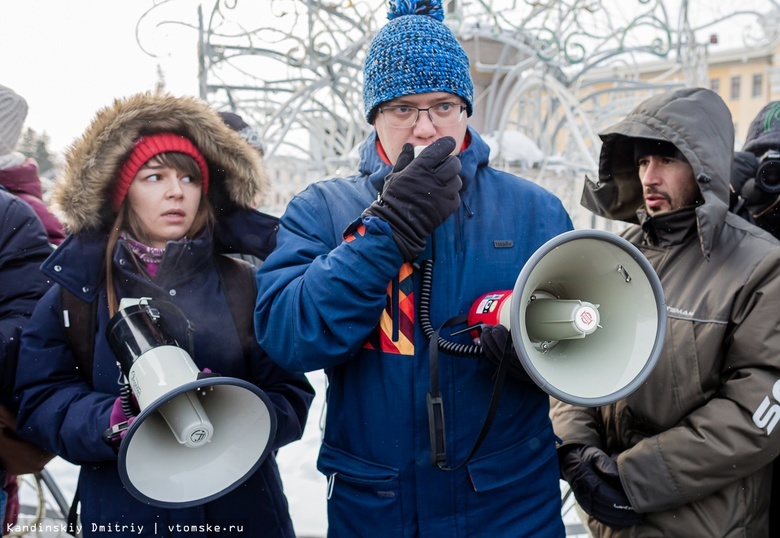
587	317
197	436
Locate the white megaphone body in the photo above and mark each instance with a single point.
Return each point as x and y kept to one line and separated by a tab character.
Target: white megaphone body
587	317
198	435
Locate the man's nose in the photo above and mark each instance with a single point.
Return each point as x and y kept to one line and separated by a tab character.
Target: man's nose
424	128
651	174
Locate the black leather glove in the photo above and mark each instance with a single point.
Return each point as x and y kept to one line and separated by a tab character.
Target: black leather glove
743	167
419	194
497	344
594	479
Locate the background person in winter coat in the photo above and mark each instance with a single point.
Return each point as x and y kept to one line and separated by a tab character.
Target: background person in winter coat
755	176
237	123
342	292
689	452
155	189
755	182
23	247
19	174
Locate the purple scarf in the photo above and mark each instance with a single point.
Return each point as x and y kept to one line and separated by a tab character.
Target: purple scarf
150	256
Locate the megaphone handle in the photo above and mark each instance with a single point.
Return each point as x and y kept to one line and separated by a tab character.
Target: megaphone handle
114	433
436	429
436	406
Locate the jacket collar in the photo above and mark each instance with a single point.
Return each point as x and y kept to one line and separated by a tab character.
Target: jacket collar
78	263
668	229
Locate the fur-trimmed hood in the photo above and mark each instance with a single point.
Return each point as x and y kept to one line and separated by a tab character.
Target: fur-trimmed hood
82	192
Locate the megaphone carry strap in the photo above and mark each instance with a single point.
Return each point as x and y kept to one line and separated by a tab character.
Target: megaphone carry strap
436	427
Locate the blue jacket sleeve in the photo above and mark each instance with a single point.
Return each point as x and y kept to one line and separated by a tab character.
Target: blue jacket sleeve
290	393
320	296
58	409
23	247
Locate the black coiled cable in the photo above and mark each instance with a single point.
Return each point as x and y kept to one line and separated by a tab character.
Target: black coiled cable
426	288
127	399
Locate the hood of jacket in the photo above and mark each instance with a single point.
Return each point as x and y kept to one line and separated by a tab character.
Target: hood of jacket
699	124
82	192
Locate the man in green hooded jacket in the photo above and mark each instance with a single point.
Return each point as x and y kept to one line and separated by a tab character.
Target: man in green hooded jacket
689	453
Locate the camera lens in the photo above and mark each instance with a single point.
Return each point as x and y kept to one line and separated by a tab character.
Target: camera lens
768	176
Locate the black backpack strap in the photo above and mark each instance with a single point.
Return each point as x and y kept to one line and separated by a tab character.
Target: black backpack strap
72	519
79	318
237	278
79	323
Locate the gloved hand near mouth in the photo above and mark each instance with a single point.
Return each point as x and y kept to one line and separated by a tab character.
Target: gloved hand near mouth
419	194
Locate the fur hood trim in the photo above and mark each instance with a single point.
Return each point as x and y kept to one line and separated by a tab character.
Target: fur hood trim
81	196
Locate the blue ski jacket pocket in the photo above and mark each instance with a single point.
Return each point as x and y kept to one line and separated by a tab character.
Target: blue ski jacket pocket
525	460
361	495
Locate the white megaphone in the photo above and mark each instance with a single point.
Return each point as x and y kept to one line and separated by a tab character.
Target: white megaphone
198	435
587	317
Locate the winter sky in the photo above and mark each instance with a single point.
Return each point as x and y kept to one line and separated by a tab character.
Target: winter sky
68	59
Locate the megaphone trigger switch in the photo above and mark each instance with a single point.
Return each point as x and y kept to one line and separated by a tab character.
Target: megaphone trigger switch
114	433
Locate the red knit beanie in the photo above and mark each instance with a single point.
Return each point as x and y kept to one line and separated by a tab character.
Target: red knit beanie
147	147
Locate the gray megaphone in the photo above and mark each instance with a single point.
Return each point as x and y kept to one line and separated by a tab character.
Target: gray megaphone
587	317
198	435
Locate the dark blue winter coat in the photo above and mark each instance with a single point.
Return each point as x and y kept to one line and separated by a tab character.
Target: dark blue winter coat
337	304
62	412
23	247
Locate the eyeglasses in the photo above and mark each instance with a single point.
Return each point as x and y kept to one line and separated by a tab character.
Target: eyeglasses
441	115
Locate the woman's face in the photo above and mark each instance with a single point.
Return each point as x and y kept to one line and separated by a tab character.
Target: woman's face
165	200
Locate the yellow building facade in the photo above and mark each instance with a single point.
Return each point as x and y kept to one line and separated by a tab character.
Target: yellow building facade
746	79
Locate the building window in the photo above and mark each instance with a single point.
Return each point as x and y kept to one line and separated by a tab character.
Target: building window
758	85
735	87
715	85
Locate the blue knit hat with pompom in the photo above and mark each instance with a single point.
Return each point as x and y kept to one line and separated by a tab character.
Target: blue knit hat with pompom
415	53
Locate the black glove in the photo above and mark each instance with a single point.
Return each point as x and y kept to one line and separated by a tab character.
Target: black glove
497	344
743	167
594	479
419	194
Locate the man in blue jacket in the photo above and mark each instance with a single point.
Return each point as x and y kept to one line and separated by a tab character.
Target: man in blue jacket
342	293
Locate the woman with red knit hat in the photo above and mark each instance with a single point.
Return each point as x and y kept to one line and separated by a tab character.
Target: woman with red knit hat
154	193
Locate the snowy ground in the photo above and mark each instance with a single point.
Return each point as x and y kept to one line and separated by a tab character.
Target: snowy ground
304	485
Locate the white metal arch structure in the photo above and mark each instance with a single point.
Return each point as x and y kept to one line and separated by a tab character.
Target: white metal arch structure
554	72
